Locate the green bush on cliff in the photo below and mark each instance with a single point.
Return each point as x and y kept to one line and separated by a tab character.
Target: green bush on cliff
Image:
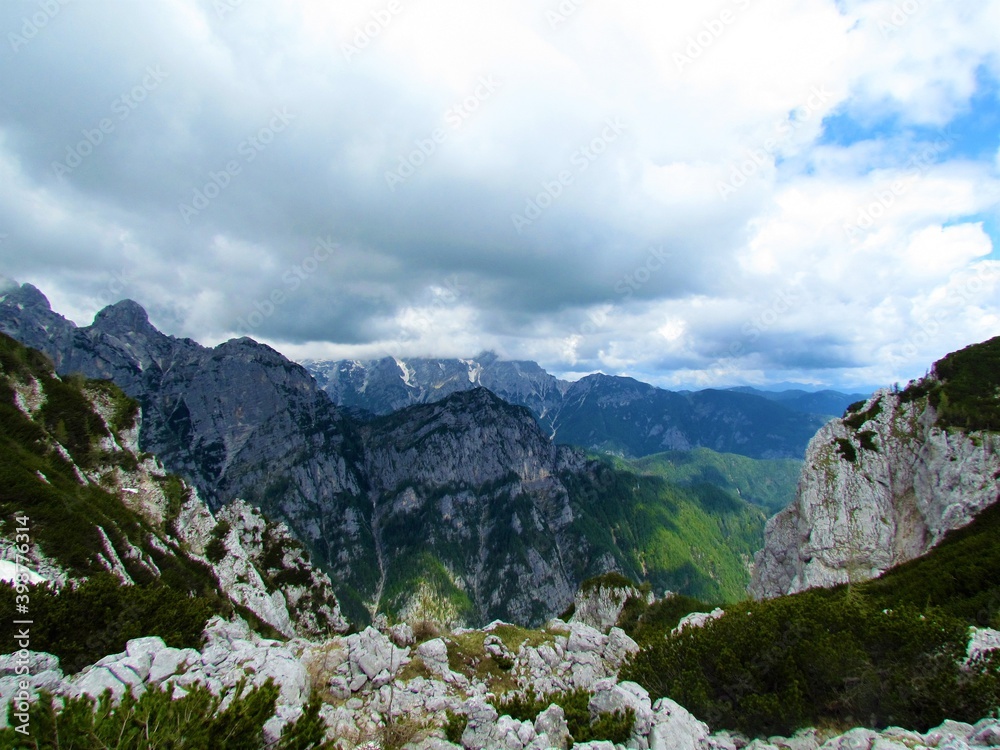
83	624
966	392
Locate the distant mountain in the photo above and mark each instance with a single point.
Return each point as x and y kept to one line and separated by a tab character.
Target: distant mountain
384	385
599	412
832	403
463	509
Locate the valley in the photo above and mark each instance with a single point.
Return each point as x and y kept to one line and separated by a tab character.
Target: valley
446	574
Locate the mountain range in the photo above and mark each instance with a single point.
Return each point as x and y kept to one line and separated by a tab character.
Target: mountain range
599	412
460	510
448	507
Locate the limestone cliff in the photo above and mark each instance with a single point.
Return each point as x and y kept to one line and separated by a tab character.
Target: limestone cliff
883	484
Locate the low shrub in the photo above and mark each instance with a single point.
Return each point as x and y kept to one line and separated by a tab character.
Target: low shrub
195	721
83	624
773	667
615	727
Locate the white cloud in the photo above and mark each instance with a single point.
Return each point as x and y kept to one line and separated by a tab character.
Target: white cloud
772	263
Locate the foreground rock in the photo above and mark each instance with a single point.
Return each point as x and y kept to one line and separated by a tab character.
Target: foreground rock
376	690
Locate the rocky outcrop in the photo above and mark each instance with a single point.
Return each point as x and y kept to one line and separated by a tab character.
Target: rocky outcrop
161	523
879	487
232	653
599	602
374	689
697	620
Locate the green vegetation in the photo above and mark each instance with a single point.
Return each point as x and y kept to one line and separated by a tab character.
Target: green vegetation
83	624
846	449
195	721
883	652
854	418
615	727
423	583
215	550
767	483
697	539
454	726
177	493
867	440
66	515
646	623
960	576
124	410
966	392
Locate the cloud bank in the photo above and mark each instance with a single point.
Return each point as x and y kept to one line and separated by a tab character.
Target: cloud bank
721	193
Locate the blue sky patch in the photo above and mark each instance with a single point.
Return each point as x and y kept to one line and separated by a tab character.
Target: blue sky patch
974	133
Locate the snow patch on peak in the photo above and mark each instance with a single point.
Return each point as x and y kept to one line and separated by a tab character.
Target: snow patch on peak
475	371
407	371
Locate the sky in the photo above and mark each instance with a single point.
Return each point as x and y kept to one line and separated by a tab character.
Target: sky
693	194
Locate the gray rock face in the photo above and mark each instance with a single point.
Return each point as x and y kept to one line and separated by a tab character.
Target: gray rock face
470	471
456	512
158	529
238	420
877	489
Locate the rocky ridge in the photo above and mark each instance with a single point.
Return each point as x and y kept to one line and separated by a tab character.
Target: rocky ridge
880	486
432	511
165	522
379	683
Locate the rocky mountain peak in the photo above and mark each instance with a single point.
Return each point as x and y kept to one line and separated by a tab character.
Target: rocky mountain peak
126	316
27	296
